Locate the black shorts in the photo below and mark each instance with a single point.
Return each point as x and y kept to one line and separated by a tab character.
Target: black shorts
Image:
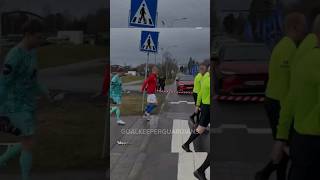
205	115
195	96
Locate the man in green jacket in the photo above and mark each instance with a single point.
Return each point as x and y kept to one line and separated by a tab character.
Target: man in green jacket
279	83
301	109
197	88
203	102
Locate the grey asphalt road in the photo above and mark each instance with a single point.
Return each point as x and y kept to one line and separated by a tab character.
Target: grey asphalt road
149	155
241	142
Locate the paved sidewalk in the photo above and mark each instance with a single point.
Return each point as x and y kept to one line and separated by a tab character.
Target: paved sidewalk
76	175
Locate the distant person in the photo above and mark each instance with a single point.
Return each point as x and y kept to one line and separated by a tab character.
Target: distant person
196	90
279	83
162	82
150	85
203	103
116	96
19	89
300	116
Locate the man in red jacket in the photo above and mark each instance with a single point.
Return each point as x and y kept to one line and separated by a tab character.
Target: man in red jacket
150	85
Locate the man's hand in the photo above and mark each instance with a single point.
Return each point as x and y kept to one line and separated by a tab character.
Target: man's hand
278	151
197	109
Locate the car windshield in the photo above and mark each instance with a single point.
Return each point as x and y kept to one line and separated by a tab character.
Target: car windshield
186	78
246	53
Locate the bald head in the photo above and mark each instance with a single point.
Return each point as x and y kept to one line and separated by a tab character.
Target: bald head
155	70
295	26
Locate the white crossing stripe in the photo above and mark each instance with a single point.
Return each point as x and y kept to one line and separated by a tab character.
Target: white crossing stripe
180	102
180	134
188	162
220	129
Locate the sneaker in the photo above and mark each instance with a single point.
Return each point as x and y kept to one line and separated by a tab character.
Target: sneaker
145	115
120	122
186	148
199	175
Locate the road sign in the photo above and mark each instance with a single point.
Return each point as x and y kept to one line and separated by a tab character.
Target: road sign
143	13
149	41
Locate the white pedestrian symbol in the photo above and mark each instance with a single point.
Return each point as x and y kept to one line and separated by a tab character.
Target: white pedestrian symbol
149	45
142	15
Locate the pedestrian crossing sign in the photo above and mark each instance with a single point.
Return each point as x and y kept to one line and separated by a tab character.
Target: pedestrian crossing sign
143	13
149	41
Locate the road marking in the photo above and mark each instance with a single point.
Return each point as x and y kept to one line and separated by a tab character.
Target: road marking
180	102
223	127
188	163
180	134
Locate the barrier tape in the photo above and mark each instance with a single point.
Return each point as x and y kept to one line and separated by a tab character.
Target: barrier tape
240	98
223	98
175	92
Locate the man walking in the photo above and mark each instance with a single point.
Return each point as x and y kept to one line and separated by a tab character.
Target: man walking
19	87
301	110
279	83
196	90
203	102
150	85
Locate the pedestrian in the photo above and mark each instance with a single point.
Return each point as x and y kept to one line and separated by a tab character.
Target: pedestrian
200	172
203	103
116	96
299	117
150	85
162	82
279	83
19	89
196	89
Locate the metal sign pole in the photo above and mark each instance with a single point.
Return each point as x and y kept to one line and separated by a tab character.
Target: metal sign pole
145	78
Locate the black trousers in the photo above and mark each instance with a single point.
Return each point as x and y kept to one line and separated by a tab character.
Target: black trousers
305	156
272	108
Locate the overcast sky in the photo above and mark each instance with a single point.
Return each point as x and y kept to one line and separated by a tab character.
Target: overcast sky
74	7
197	12
181	42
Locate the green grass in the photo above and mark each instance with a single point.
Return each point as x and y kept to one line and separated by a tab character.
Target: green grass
69	135
129	78
131	104
57	55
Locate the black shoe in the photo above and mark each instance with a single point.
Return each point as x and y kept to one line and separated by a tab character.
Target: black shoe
186	148
261	176
200	175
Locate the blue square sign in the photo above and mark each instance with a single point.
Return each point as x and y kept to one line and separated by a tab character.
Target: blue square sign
149	41
143	13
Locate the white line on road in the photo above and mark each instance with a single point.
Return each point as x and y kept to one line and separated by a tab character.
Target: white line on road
188	162
180	134
223	127
181	102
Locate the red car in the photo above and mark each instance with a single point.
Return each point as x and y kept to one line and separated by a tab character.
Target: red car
184	83
242	69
